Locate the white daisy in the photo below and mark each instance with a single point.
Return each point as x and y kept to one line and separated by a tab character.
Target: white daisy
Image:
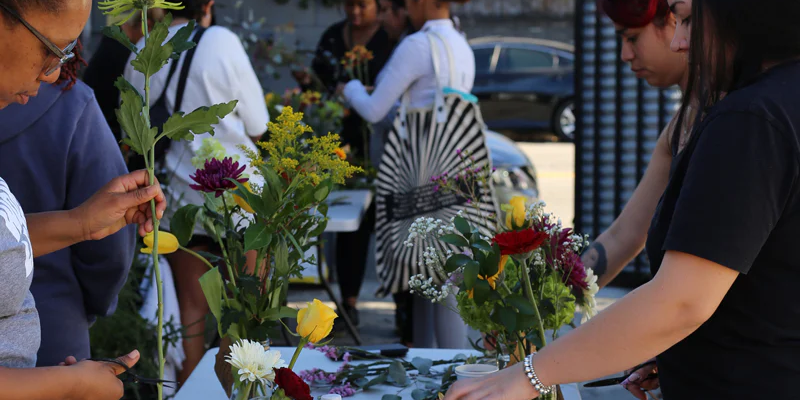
253	362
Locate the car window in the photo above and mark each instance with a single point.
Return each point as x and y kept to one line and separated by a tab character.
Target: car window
515	59
483	59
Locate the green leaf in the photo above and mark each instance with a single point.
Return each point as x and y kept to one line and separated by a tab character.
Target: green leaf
249	285
462	225
391	397
482	292
471	270
379	380
423	365
197	122
273	185
212	258
482	245
115	32
322	193
398	373
525	322
211	283
419	394
256	237
131	119
183	222
180	41
522	304
282	267
155	53
274	314
508	317
492	263
456	240
455	262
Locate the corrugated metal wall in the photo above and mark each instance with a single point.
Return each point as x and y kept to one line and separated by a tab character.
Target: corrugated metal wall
619	120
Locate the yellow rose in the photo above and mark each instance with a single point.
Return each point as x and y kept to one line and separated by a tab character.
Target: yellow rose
167	243
242	202
517	212
315	322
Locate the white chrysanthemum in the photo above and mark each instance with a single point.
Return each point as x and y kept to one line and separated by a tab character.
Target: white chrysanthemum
253	362
589	301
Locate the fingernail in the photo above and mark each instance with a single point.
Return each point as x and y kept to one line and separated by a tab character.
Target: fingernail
134	354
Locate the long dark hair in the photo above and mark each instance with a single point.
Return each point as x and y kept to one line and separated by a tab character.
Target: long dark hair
730	42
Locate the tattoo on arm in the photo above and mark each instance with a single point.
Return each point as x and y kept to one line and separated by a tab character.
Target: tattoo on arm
595	258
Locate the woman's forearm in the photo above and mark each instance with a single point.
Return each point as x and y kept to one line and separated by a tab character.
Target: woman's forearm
649	320
611	252
53	231
51	383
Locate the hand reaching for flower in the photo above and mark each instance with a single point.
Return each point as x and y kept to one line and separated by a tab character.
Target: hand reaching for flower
507	384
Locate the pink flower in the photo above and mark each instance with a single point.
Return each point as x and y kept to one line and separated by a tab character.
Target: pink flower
213	178
345	391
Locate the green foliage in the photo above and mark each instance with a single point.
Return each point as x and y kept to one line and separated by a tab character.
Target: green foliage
140	137
558	302
156	51
181	126
115	32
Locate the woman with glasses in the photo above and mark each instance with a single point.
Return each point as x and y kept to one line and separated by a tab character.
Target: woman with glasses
36	39
720	313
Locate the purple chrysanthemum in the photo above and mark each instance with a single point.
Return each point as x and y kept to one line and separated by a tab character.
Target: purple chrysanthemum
213	178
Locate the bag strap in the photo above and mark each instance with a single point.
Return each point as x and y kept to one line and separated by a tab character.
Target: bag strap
187	63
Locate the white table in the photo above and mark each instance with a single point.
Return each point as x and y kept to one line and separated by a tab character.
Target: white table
203	383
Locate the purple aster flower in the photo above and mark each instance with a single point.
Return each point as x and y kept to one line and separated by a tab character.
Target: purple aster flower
458	151
436	188
213	178
345	390
347	357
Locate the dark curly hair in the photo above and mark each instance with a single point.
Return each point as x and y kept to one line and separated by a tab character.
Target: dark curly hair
636	13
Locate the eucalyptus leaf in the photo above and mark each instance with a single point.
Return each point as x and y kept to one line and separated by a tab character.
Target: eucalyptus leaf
379	380
391	397
419	394
423	365
398	373
455	240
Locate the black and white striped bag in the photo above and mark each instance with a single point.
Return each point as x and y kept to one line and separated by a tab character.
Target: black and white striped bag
421	145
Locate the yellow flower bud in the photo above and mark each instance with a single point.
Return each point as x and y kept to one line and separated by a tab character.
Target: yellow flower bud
315	322
517	214
242	202
167	243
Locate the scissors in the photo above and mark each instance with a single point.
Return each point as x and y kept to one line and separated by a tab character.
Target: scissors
132	377
617	381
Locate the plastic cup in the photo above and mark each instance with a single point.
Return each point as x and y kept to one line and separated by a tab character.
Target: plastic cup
468	371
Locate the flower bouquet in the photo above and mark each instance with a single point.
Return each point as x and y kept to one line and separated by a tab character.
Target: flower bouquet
261	373
513	285
264	231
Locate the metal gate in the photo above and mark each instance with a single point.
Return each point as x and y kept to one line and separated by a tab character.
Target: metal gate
619	118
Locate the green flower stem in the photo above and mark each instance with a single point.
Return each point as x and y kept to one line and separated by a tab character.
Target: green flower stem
245	394
303	343
529	293
228	220
156	222
197	256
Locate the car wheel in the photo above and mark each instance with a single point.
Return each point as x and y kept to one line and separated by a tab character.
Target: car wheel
564	121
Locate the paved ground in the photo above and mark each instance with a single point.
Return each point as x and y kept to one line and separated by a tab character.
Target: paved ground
555	166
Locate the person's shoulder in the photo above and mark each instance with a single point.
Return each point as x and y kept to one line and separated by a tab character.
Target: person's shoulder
80	93
220	35
417	39
335	29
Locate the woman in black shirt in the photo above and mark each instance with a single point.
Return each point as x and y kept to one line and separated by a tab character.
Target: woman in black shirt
720	312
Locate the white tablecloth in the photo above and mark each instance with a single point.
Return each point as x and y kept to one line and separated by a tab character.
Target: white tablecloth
203	383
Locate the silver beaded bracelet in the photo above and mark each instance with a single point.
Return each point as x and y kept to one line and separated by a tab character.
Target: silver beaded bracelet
531	374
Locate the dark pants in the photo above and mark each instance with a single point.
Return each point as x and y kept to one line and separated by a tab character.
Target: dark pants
352	249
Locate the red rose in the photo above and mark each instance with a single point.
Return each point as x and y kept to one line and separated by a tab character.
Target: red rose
519	242
292	385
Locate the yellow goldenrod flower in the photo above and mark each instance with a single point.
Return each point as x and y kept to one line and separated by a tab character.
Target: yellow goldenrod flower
167	243
315	322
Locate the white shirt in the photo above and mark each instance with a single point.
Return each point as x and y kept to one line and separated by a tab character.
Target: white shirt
220	72
411	69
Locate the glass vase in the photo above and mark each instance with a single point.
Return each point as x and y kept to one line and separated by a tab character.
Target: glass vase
251	391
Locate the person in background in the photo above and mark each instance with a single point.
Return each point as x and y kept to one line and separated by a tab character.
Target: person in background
47	25
220	72
108	64
395	21
647	28
362	27
73	286
411	69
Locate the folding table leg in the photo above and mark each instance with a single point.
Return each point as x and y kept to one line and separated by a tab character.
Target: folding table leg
346	318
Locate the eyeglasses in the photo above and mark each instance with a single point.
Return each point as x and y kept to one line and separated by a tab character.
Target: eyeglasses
62	56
